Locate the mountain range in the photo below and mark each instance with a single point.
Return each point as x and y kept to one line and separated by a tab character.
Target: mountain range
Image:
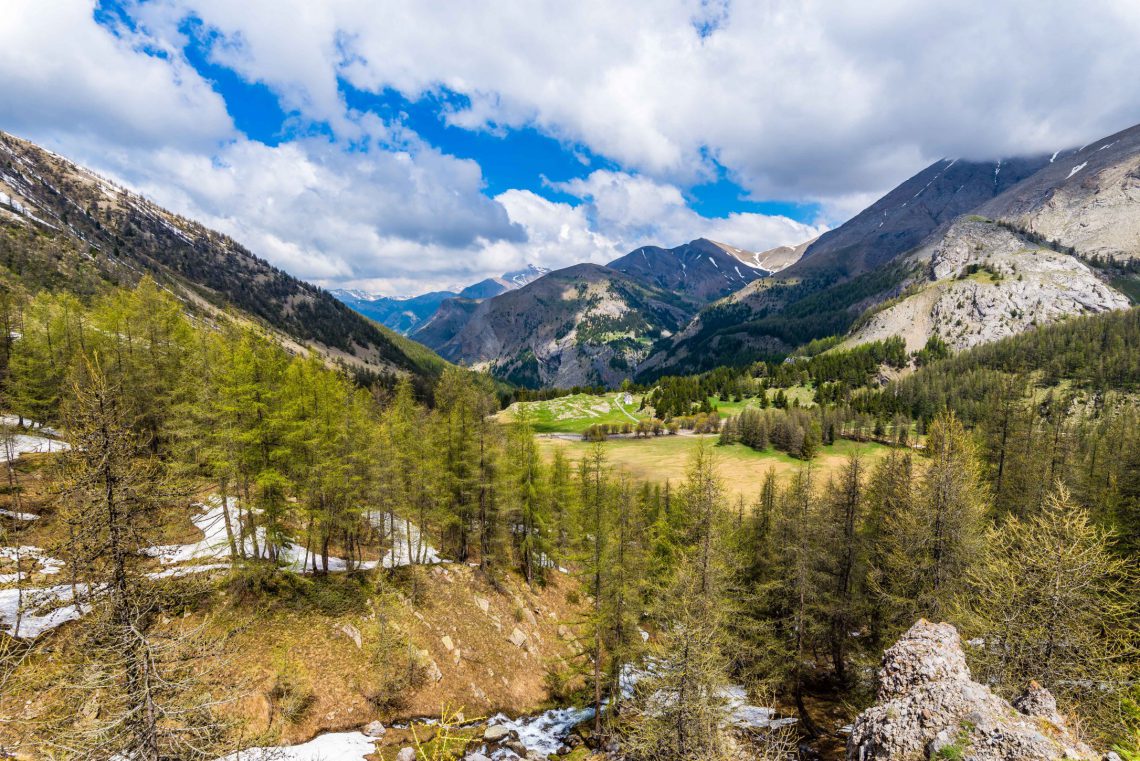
404	315
590	324
969	251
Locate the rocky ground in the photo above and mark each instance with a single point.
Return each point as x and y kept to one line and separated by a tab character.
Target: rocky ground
928	707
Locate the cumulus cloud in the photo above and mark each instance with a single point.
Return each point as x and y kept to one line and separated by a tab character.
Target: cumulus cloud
640	211
63	73
810	100
807	101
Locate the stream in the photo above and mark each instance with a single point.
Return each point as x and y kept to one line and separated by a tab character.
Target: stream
543	733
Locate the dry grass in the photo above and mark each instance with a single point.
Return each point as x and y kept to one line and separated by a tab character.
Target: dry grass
742	469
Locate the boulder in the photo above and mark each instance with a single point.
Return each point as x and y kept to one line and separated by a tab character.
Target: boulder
496	734
352	633
406	754
929	707
517	637
374	729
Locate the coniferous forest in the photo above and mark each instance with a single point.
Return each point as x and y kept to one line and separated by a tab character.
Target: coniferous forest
1008	502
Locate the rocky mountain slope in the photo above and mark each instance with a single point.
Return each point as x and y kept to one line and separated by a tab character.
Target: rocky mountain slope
702	270
62	226
983	282
589	324
1012	264
929	707
582	325
970	251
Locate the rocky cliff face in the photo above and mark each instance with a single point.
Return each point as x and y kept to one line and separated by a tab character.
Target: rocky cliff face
929	708
982	282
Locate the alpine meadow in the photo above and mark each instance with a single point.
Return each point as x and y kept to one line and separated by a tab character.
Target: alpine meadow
672	381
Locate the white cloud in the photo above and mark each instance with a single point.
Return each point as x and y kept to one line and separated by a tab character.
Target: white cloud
62	73
800	99
640	211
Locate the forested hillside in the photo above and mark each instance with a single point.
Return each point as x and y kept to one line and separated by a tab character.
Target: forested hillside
62	227
327	498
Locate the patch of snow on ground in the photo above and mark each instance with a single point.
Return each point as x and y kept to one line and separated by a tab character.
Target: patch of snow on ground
1077	168
185	570
214	543
408	544
43	609
335	746
47	564
14	421
19	516
24	443
746	716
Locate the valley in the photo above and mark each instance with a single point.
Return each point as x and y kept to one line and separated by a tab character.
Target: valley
503	435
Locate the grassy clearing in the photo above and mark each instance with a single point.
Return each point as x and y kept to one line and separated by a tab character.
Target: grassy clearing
576	413
666	458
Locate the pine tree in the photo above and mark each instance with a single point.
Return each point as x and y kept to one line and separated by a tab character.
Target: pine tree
1054	603
679	708
844	564
935	540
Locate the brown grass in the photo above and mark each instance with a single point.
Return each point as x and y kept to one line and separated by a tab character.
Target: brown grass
667	458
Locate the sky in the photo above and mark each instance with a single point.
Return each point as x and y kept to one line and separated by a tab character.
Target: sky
399	147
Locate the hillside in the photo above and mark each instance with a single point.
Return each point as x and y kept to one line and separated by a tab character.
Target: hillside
582	325
588	324
702	270
969	251
63	227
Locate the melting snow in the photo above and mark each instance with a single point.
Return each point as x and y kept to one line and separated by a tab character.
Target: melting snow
48	565
408	545
714	262
19	516
338	746
43	609
1077	168
747	716
23	443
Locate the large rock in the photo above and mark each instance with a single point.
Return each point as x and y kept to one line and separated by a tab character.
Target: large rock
929	707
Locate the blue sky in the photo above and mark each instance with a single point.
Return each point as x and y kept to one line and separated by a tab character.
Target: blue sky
523	158
401	147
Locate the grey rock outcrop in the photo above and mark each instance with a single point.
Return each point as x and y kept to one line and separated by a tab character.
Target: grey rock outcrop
929	707
984	283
